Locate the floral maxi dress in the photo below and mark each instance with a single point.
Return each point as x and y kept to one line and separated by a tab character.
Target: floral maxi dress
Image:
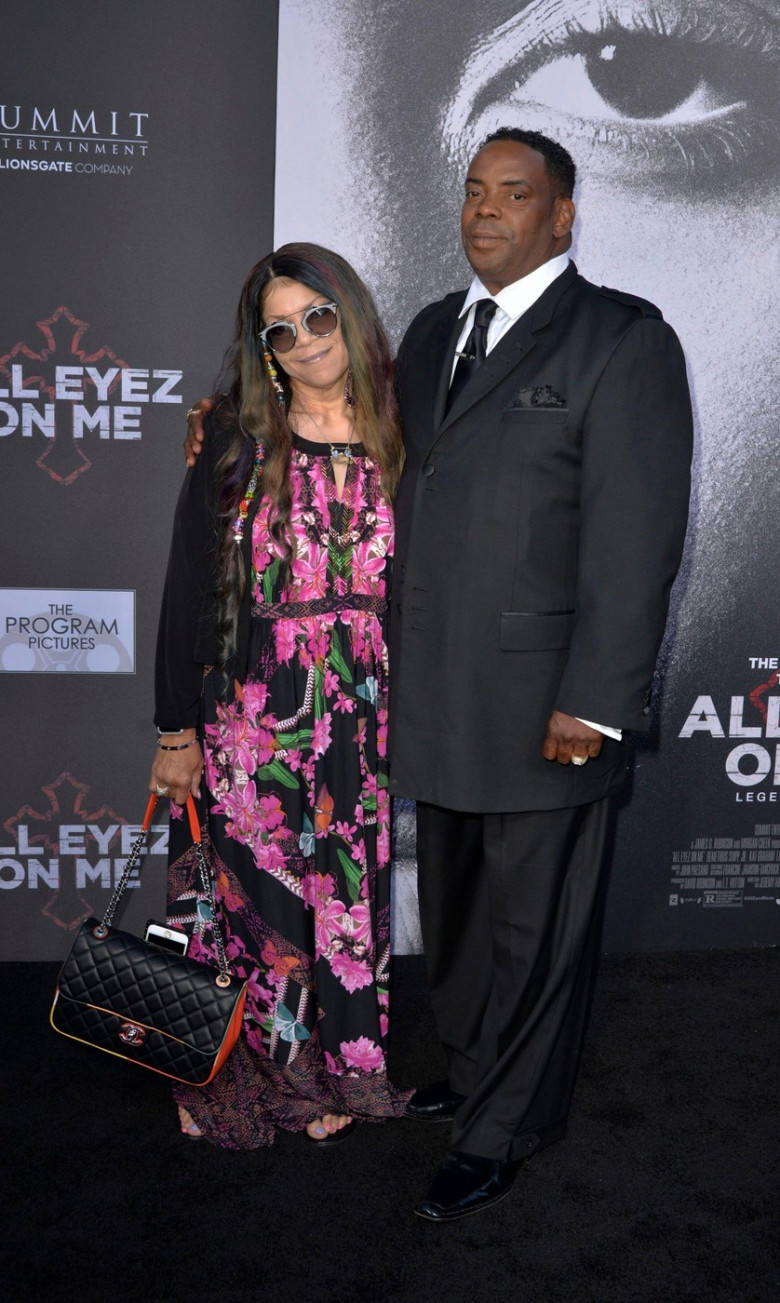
299	821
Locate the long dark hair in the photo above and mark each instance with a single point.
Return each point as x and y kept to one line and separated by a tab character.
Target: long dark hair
251	408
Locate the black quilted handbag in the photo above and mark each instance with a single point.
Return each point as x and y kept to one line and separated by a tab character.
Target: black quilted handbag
133	999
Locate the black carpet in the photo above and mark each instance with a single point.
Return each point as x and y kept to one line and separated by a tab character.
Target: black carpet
664	1191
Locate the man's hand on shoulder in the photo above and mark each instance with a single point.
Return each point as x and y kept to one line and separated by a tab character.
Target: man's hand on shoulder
193	444
568	737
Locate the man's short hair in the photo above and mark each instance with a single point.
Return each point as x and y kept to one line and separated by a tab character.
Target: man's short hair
558	161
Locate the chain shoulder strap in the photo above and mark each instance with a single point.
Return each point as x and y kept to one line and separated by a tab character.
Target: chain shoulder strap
207	881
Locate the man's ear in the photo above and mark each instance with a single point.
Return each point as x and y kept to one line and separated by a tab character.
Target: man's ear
564	213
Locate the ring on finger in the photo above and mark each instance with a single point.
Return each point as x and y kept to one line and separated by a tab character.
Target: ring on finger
160	791
579	760
193	411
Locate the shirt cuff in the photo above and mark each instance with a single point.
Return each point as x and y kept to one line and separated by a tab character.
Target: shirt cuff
616	733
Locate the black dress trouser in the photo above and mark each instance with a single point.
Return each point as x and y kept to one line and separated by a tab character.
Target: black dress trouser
510	925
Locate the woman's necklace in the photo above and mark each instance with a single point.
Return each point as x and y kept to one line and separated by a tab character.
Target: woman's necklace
340	455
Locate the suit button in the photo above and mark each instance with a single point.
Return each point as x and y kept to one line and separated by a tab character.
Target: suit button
428	469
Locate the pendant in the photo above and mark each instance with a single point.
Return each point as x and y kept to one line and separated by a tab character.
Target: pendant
340	456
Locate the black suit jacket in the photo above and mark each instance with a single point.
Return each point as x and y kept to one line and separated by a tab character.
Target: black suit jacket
540	525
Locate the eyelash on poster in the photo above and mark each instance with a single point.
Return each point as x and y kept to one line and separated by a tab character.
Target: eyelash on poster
729	130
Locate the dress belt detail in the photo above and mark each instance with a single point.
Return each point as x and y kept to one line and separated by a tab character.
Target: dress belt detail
332	605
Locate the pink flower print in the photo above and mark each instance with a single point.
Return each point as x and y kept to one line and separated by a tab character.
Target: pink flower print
332	1065
294	760
241	752
328	926
363	1054
261	556
352	973
310	572
360	923
176	811
381	733
260	743
384	1023
319	498
239	807
344	704
330	682
369	787
345	830
318	643
254	1039
366	567
233	948
359	852
286	641
321	736
254	990
269	856
271	811
383	842
318	889
255	697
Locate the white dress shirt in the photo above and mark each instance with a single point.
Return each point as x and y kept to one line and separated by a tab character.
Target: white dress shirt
512	302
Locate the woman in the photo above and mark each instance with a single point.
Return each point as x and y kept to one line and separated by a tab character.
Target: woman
271	682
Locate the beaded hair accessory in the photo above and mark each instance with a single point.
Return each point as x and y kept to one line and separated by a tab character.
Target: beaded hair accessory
349	389
251	489
273	376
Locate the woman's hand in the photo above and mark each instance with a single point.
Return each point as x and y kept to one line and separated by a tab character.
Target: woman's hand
177	771
193	444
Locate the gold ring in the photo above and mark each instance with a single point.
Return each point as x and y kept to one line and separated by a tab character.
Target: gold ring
194	411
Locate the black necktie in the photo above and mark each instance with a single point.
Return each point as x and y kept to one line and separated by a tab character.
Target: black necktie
474	350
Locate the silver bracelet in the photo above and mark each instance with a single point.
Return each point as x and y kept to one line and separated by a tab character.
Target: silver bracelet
169	732
182	746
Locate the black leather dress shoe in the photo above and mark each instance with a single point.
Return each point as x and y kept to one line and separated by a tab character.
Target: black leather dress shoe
435	1103
465	1184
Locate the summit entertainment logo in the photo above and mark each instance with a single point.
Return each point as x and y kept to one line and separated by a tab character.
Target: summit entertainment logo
68	395
87	142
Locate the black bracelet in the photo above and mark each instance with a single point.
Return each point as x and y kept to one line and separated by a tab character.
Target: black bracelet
181	747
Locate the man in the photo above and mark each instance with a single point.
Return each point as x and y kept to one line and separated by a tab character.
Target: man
540	521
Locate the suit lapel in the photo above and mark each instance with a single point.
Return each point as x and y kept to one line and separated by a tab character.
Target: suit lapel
441	353
507	354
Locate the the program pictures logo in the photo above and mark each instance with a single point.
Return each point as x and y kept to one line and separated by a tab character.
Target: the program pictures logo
67	631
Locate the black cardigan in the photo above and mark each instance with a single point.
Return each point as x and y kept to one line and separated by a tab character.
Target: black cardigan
186	636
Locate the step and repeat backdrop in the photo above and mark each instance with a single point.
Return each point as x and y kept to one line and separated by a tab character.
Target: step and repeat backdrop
136	191
149	154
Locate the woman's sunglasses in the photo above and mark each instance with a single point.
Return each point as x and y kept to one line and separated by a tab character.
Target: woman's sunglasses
320	320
